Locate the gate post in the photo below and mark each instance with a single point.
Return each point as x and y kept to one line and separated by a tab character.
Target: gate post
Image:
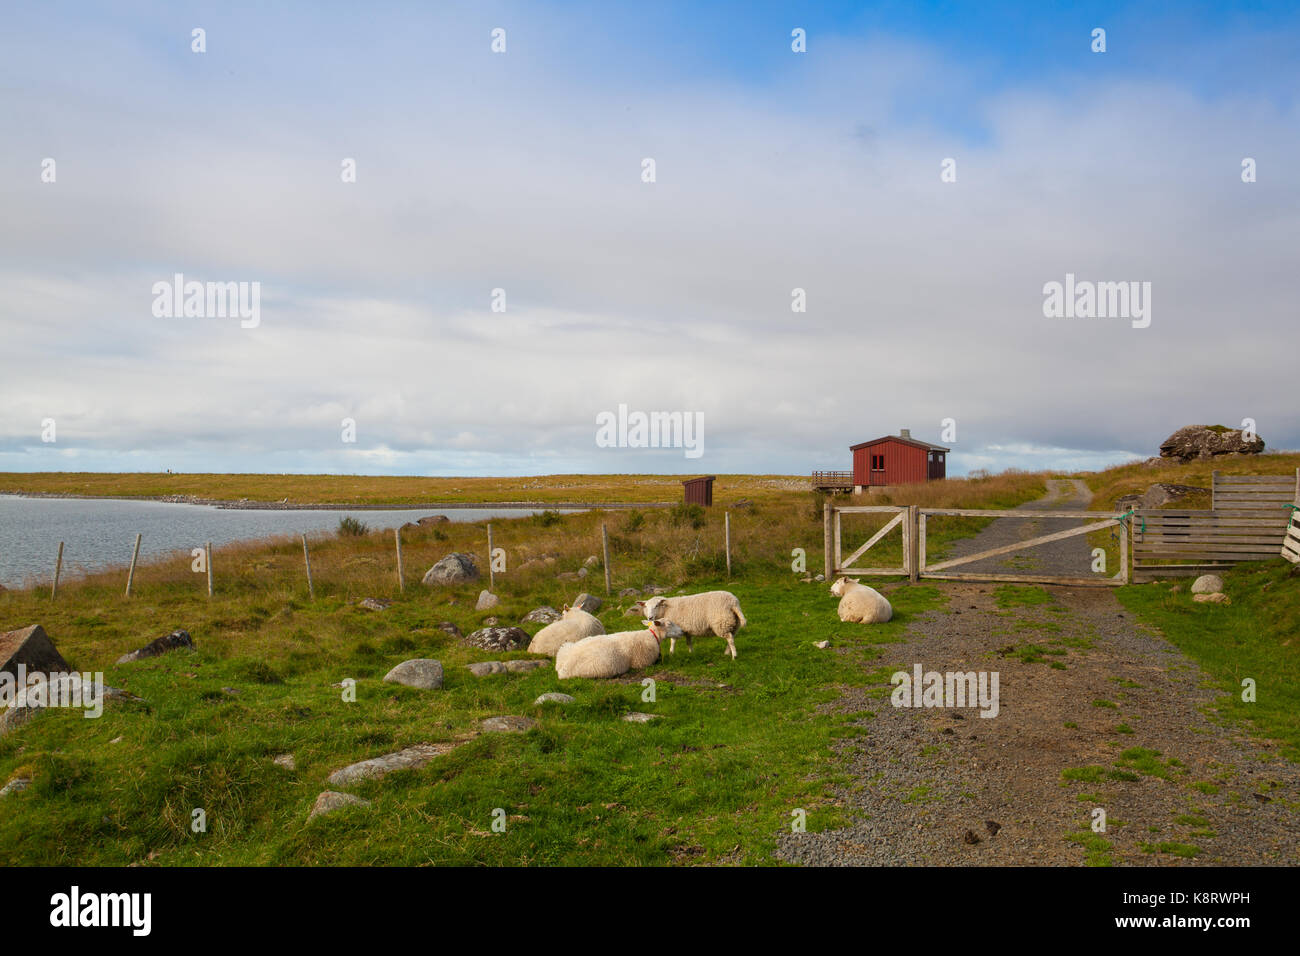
826	531
910	543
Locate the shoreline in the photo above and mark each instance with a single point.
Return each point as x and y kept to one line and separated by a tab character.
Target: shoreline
247	505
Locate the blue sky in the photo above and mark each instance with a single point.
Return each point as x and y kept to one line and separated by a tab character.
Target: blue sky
521	171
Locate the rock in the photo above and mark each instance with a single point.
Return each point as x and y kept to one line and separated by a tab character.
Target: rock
15	715
450	628
31	647
591	561
532	564
499	638
1176	589
486	601
286	761
639	718
541	615
629	592
455	568
654	589
424	673
970	837
520	667
412	758
822	645
820	577
1216	598
992	826
433	519
16	785
1207	584
588	602
582	572
567	576
636	610
161	645
1206	441
509	724
1157	496
491	621
554	697
485	668
331	800
375	604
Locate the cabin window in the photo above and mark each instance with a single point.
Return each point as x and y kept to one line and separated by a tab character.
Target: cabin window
877	462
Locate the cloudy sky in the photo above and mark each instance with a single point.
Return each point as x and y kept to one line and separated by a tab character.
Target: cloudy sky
523	171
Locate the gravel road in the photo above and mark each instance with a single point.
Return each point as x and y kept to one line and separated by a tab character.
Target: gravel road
1081	684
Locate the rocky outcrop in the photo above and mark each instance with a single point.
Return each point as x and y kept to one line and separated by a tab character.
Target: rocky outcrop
1158	495
455	568
422	673
542	615
1207	441
159	646
31	647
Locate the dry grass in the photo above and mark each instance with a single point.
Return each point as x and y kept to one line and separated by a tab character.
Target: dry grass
1116	482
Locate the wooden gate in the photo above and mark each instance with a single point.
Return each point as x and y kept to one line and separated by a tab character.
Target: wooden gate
942	570
837	565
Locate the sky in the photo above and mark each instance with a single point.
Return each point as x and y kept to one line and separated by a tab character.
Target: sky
524	171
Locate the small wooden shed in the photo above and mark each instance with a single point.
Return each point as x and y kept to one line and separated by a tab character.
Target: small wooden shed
897	460
699	491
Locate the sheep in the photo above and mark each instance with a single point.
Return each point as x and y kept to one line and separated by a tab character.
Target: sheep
711	612
574	624
861	603
609	655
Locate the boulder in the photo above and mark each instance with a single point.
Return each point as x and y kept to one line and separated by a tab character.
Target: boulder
486	668
159	646
1207	584
424	673
554	697
588	602
509	724
541	615
332	800
520	667
1218	597
433	519
499	638
455	568
582	572
16	785
629	592
31	647
412	758
375	604
1206	441
639	718
486	601
1157	496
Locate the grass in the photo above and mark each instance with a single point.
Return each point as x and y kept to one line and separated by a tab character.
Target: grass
1254	638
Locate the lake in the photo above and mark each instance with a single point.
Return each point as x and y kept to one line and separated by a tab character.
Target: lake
99	533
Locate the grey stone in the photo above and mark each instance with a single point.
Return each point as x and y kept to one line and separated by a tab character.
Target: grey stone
588	602
591	561
449	627
568	576
1207	441
286	761
433	519
629	592
412	758
519	667
375	604
486	601
554	697
499	638
16	785
639	718
541	615
423	672
31	647
582	572
822	645
1207	584
509	724
158	646
455	568
331	800
486	668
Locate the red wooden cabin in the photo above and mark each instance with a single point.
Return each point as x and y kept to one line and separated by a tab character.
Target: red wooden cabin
897	460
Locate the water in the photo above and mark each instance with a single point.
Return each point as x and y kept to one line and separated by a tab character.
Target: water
100	533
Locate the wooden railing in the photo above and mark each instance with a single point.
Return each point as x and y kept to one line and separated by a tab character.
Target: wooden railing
832	479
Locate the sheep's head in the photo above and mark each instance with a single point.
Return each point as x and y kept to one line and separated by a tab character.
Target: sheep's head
657	629
839	587
654	608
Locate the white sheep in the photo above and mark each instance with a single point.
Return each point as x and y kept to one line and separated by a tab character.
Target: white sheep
860	603
711	612
574	624
609	655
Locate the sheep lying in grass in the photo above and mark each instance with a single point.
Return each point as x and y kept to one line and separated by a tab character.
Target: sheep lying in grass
711	612
574	624
609	655
860	603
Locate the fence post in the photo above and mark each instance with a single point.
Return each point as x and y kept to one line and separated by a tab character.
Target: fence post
604	544
1126	531
826	534
401	578
208	555
130	575
913	553
306	557
58	566
727	527
492	575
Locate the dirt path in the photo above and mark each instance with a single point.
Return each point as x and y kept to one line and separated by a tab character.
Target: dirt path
1081	686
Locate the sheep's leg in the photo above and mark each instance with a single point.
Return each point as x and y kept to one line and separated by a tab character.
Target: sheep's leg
690	643
672	645
731	645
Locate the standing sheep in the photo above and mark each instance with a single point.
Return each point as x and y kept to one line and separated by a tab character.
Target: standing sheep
860	603
711	612
574	624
